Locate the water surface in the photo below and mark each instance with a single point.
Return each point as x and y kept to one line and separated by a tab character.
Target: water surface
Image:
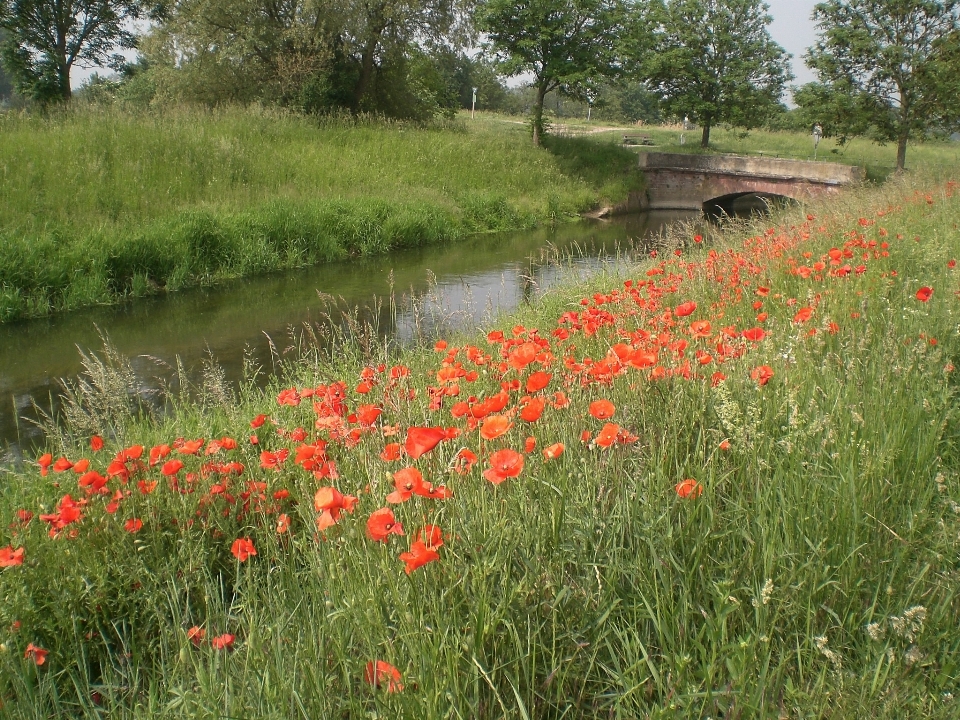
458	284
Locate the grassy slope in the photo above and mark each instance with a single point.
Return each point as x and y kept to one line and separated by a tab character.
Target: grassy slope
97	206
584	587
879	160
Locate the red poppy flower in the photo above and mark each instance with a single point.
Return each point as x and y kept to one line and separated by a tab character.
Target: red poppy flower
242	549
172	467
273	460
391	452
762	374
10	557
62	465
755	334
258	421
406	481
538	381
464	461
684	309
700	328
81	466
803	314
553	451
190	447
45	461
607	436
529	445
381	524
504	463
421	440
494	426
196	635
133	525
37	654
96	443
382	674
532	410
689	488
523	355
430	535
290	396
924	294
602	409
418	556
222	642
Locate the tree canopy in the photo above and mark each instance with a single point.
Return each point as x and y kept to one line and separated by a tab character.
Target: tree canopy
566	45
46	39
714	61
887	68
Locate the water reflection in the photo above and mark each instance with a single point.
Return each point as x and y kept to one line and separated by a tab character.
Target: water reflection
457	285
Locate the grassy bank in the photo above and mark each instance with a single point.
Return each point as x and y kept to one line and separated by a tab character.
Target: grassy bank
755	513
96	207
879	160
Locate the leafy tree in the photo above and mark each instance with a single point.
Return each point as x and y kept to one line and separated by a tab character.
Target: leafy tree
887	68
567	45
377	29
46	39
6	86
715	61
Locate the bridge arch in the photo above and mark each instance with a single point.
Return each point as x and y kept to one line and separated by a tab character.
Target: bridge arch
685	182
744	203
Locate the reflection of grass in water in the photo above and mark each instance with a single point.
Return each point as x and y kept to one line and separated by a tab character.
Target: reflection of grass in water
161	202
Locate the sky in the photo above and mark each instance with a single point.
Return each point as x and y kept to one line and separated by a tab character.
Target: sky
792	28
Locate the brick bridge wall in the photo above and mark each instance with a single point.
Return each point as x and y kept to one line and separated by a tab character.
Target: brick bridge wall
685	182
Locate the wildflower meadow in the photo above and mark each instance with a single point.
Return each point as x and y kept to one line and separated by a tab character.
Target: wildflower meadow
721	483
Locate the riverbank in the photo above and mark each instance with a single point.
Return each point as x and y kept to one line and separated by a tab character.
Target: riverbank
722	483
98	207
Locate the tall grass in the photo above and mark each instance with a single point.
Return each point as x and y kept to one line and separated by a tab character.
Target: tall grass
816	575
98	206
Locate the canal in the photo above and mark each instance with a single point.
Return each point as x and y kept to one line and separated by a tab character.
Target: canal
436	288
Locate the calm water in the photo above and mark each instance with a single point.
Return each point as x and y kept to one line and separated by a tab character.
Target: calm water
457	285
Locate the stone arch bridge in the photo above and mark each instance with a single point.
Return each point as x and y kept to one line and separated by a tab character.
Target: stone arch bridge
692	182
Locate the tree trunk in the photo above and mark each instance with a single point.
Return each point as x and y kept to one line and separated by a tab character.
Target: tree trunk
705	137
538	114
902	151
366	71
63	81
63	66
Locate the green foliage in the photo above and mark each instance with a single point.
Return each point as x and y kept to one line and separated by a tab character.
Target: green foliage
164	200
714	62
815	576
44	39
566	45
887	68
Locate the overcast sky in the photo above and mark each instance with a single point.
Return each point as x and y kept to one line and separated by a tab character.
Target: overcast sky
792	28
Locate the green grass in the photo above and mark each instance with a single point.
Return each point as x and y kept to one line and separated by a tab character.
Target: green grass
815	577
879	160
98	206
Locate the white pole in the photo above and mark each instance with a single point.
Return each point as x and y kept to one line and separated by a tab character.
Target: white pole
473	107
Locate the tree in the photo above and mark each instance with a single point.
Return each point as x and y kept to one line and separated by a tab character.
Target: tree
6	86
887	68
716	62
45	39
567	45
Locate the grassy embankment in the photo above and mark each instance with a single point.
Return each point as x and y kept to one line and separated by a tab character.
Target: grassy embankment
810	571
96	207
879	160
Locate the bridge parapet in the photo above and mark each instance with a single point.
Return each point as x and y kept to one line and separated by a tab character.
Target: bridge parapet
683	181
